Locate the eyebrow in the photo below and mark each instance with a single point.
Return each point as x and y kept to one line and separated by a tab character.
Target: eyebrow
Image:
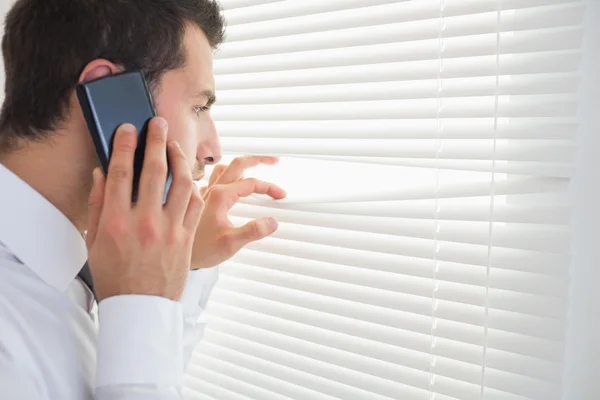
209	95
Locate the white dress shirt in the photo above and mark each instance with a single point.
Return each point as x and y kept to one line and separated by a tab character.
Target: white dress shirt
55	343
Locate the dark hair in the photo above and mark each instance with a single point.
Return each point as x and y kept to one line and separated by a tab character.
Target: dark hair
47	43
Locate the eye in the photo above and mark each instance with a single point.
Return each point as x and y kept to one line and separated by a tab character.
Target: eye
200	109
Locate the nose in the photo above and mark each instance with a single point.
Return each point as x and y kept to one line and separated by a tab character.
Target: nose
209	149
212	159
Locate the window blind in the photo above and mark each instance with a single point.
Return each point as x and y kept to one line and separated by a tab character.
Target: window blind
423	250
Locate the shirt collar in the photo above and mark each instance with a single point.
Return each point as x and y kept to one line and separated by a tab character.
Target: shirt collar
38	234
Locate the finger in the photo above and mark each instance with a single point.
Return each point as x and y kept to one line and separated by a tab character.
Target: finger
154	171
238	166
182	185
194	212
217	171
225	196
254	230
96	200
120	170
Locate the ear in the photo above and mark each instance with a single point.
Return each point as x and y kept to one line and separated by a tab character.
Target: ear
97	69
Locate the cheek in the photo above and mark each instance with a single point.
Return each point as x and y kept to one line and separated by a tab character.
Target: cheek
182	129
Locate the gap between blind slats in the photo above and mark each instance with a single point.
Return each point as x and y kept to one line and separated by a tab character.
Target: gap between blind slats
559	151
409	10
474	188
550	238
397	13
455	128
397	328
305	51
520	63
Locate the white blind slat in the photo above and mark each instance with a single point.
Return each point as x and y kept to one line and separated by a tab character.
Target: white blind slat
510	64
419	27
454	340
459	87
457	128
466	210
312	51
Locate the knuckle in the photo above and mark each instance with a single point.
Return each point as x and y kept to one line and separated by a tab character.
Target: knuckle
174	237
217	193
124	146
253	181
184	179
158	136
219	169
227	244
119	172
255	231
237	162
148	230
157	167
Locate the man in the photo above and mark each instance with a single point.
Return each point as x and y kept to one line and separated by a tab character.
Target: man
153	266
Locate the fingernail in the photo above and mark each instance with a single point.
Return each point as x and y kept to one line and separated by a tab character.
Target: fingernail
272	223
128	128
96	174
159	122
174	144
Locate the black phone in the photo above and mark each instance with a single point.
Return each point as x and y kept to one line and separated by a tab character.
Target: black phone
111	101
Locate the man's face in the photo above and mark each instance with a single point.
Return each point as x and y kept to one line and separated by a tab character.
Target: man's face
182	99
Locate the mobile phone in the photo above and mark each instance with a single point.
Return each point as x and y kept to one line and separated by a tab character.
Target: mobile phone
111	101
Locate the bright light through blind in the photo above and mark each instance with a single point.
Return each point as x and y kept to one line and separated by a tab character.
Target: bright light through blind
423	251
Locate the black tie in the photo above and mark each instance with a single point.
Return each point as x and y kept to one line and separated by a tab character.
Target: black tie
86	276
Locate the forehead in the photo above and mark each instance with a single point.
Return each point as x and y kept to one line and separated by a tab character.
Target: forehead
197	73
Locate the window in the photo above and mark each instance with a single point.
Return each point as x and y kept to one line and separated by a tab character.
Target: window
423	251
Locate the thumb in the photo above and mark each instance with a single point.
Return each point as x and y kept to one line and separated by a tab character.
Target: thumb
255	230
95	202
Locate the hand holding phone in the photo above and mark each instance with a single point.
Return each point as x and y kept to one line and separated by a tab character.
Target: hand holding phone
142	248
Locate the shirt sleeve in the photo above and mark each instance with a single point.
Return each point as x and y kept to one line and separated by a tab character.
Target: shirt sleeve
145	342
194	299
139	350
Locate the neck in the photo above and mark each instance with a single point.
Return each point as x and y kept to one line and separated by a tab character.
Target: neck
59	170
